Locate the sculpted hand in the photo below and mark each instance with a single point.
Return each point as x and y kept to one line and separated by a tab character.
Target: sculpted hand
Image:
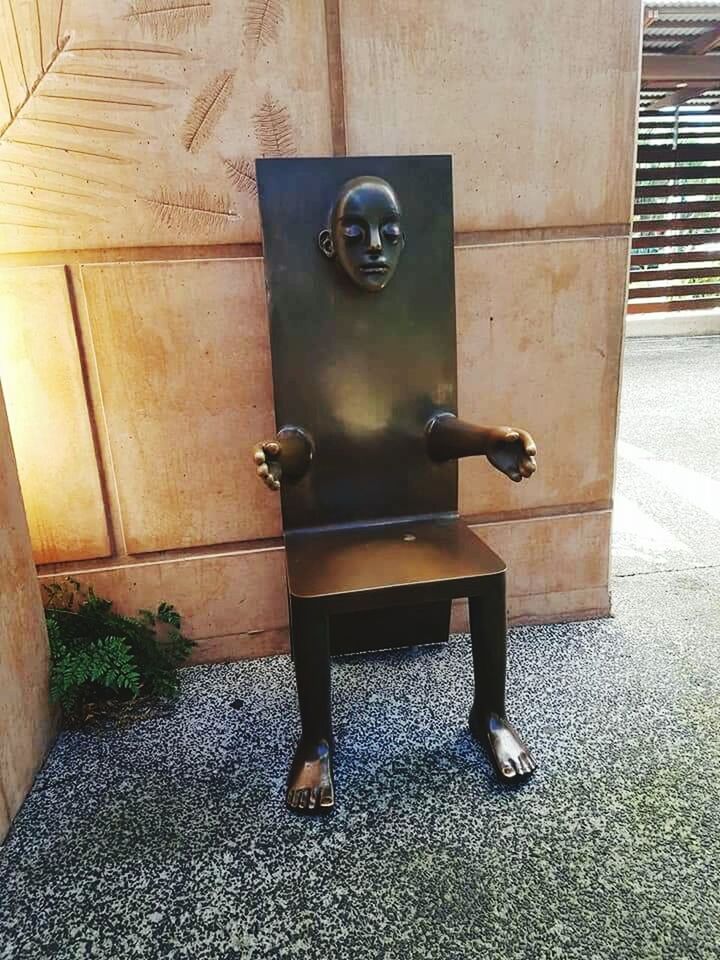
512	452
288	455
267	461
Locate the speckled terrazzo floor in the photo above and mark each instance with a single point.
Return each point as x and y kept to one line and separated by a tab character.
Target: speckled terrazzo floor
169	839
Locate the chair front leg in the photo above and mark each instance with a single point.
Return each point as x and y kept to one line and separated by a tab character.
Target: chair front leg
488	723
310	783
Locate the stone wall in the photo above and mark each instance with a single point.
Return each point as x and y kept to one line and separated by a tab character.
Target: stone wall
26	721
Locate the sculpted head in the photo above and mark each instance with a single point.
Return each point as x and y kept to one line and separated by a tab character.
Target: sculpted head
364	232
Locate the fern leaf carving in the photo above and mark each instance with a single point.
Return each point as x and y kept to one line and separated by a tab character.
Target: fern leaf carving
169	18
126	46
31	85
273	129
22	112
35	88
27	223
206	110
262	21
191	208
241	173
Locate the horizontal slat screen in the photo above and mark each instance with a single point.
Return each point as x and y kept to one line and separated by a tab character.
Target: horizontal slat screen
677	212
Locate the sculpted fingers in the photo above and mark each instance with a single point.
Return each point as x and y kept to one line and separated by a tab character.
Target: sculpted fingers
273	478
528	466
267	468
528	443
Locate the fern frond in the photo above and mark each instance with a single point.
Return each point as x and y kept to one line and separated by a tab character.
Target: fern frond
169	18
191	207
273	129
206	110
98	655
262	21
241	173
166	613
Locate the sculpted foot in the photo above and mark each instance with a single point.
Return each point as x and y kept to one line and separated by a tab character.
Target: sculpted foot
509	755
310	783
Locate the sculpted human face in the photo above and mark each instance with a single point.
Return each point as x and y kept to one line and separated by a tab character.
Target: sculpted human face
365	233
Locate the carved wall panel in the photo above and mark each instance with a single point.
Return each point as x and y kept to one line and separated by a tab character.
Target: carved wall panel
136	122
183	359
47	408
539	339
536	104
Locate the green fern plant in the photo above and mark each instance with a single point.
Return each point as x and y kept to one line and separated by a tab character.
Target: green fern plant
100	657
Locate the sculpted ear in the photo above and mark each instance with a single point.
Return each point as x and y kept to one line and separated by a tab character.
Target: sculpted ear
325	242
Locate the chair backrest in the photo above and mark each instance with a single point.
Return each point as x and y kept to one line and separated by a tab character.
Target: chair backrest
361	371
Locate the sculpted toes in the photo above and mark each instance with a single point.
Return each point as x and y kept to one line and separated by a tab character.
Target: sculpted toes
312	799
326	797
272	448
523	765
508	770
304	799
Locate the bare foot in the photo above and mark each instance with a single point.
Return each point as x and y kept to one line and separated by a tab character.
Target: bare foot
310	784
509	755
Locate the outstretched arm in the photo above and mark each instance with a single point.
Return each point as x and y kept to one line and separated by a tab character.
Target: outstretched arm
509	450
288	455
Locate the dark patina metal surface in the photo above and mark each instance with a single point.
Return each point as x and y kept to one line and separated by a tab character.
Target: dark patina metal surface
361	372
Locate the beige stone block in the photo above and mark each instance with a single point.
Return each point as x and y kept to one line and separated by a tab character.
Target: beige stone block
557	567
143	119
536	104
26	723
539	340
183	360
47	409
233	604
548	555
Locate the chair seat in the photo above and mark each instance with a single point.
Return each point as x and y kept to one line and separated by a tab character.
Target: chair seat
362	567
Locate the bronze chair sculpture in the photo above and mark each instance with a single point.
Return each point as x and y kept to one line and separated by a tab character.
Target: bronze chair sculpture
362	320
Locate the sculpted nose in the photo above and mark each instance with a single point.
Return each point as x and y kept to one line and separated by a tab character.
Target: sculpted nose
375	243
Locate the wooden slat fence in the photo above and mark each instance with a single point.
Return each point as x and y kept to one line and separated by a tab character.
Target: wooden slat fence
677	212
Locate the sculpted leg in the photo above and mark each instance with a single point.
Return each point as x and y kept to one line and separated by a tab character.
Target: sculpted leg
310	784
488	724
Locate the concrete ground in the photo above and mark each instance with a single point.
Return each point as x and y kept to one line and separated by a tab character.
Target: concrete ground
169	839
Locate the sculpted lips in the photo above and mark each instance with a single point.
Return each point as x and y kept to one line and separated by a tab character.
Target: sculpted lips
374	267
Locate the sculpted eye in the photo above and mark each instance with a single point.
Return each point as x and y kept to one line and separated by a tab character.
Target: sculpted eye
352	231
392	232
